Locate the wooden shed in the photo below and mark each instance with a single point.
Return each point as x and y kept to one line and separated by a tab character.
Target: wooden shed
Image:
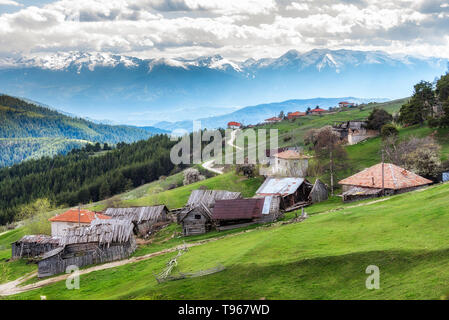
102	241
195	217
145	219
33	246
292	191
196	220
319	192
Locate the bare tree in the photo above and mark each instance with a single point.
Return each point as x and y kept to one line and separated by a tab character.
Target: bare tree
420	155
329	152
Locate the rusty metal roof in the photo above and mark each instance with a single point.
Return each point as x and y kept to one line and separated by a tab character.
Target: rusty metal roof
236	209
394	178
279	186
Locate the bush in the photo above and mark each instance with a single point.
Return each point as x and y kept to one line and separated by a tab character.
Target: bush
434	122
388	130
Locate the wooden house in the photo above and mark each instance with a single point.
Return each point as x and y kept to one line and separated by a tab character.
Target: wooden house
235	213
292	191
380	179
196	216
33	246
102	241
144	219
72	218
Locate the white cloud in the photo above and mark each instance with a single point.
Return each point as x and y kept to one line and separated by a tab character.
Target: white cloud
9	3
236	29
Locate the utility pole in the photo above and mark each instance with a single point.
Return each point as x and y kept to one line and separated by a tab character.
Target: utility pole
383	174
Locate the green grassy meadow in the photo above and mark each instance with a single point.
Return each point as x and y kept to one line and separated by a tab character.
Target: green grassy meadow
324	257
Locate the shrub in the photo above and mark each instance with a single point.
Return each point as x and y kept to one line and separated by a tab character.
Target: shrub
388	130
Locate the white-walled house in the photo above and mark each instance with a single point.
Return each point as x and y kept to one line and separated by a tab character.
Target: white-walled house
71	218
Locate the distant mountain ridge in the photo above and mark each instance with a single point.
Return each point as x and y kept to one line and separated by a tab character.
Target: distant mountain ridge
141	91
257	114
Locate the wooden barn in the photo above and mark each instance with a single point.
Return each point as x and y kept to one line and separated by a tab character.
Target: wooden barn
196	217
380	179
145	219
236	213
102	241
292	191
319	192
33	246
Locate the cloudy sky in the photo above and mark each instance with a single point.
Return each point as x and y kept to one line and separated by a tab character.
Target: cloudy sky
237	29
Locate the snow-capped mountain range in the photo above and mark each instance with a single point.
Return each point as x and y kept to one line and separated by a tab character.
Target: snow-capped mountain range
139	91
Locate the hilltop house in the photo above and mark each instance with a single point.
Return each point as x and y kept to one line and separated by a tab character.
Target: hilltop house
382	178
196	216
353	131
71	218
102	241
317	110
295	115
234	125
344	104
144	219
290	190
272	120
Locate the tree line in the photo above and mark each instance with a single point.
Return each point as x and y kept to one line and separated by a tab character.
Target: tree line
83	176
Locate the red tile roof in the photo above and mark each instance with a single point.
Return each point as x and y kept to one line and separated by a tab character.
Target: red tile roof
296	114
233	123
290	155
318	110
85	216
236	209
394	178
273	119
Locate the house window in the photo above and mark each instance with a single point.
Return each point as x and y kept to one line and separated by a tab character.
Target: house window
198	216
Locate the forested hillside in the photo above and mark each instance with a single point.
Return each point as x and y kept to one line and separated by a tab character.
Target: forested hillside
83	176
30	131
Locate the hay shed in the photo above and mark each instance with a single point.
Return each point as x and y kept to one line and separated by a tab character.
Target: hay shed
145	219
102	241
319	192
33	246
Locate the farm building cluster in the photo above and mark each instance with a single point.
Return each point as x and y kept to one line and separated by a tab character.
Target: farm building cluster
81	237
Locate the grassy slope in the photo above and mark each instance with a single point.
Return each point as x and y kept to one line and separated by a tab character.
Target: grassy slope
324	257
176	198
13	269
